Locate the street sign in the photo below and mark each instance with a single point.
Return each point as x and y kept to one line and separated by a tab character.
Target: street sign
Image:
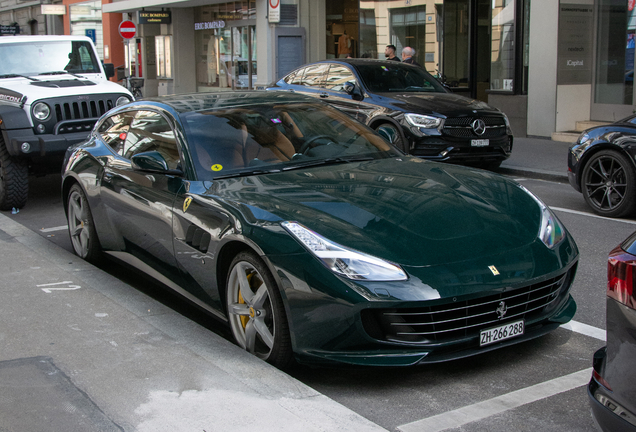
127	29
91	33
273	11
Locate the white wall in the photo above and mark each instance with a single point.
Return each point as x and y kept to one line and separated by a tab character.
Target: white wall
573	104
542	74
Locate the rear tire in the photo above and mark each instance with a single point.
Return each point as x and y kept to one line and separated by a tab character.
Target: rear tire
81	227
14	180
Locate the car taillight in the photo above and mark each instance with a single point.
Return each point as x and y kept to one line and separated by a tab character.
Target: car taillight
621	268
599	379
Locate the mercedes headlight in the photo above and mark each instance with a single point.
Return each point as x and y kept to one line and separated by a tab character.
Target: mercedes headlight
344	261
122	100
551	232
423	121
41	111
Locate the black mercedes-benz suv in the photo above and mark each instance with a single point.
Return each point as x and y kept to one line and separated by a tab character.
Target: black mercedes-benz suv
410	107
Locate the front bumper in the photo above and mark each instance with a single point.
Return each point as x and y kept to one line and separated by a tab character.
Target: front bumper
442	148
41	145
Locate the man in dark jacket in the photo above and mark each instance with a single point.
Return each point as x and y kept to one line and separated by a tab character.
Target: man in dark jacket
407	56
389	53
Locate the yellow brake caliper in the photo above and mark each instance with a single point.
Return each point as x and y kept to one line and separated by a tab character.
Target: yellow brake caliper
244	319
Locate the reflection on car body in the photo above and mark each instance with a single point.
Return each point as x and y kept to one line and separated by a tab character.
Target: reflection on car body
314	238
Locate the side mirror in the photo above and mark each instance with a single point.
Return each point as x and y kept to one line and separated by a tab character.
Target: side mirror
153	161
353	90
109	68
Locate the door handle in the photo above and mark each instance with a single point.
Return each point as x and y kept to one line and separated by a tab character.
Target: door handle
324	95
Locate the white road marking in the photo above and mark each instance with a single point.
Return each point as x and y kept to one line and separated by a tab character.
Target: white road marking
58	228
564	210
588	330
49	290
481	410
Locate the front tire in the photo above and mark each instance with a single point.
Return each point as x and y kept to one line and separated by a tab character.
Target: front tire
81	227
14	180
399	141
609	184
255	311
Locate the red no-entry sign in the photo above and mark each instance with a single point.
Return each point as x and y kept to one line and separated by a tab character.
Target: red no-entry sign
127	29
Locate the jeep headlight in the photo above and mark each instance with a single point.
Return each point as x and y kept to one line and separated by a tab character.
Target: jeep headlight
423	121
344	261
122	100
41	111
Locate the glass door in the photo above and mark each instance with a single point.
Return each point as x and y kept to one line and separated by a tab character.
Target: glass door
243	57
613	92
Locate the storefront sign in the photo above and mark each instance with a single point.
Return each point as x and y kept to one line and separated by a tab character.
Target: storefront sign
575	44
57	9
127	29
209	25
273	11
154	17
9	30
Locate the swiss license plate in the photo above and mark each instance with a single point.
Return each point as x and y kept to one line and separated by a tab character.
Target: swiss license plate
479	143
503	332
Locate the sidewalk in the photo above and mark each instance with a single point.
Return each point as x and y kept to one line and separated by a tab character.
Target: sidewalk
83	351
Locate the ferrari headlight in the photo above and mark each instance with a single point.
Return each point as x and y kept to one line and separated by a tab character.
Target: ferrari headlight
551	232
343	261
423	121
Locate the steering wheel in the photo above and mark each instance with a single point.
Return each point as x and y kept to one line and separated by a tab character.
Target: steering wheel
310	141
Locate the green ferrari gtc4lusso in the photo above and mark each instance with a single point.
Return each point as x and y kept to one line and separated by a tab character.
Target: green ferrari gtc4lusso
314	238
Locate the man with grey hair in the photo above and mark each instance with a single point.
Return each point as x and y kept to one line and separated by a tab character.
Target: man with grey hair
407	56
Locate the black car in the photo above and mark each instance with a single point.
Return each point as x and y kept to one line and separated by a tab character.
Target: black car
419	114
612	390
601	166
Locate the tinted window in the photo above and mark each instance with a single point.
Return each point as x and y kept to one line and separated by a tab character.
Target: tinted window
289	78
338	75
315	75
389	77
114	130
150	131
297	79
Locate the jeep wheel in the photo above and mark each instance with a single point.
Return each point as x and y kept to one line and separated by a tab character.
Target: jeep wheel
14	180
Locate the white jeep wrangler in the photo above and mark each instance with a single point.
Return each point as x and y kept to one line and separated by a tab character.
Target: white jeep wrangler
52	91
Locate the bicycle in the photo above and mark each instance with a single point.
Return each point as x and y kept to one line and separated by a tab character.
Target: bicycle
134	85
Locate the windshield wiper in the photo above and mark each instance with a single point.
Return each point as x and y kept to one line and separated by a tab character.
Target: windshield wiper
328	161
247	173
61	73
18	76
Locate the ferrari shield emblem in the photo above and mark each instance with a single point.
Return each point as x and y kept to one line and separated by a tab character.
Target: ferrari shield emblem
186	204
492	268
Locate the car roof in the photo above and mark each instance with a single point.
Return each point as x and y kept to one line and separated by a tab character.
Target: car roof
190	102
29	38
361	61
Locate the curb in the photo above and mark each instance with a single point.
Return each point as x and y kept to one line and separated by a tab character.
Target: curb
533	173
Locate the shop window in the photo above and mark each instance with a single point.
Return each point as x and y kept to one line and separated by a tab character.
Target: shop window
163	52
502	66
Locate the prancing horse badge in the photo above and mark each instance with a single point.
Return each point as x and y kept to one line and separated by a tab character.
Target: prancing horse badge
492	268
186	204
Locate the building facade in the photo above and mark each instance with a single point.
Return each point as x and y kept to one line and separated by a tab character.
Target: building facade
546	63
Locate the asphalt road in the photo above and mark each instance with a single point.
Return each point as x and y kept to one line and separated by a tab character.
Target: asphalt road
534	386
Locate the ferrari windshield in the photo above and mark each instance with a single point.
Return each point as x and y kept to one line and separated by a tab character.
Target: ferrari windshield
397	77
36	58
255	139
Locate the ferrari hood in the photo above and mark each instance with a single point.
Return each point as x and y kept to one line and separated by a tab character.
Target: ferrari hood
405	210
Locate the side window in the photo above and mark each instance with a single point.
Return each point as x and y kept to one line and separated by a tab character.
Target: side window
315	75
298	77
290	78
338	76
114	130
149	131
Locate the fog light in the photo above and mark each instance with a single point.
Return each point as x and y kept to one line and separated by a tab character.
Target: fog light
41	128
25	147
